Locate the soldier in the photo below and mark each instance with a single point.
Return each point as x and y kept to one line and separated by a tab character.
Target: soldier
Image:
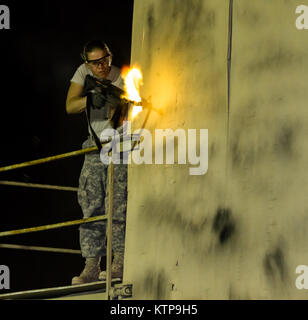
93	180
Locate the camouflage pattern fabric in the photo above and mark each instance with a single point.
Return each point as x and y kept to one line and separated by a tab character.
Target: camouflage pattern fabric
93	199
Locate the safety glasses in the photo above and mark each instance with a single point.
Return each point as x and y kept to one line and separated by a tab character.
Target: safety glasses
100	61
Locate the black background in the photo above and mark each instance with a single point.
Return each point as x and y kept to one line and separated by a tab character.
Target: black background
38	57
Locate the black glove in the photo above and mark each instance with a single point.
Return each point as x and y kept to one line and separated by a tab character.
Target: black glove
98	100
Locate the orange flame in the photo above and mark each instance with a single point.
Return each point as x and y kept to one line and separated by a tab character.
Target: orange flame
132	81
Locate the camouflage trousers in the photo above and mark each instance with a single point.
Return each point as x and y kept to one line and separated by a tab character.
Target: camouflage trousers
93	199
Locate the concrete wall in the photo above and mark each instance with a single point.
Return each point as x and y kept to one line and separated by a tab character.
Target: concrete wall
239	231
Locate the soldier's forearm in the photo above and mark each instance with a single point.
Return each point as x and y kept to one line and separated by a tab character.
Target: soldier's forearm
76	104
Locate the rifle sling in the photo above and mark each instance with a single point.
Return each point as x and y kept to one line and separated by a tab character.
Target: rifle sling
94	135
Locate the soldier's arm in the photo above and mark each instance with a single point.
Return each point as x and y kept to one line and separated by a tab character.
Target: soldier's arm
75	103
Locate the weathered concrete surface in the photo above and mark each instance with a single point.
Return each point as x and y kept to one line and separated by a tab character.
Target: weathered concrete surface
240	230
268	161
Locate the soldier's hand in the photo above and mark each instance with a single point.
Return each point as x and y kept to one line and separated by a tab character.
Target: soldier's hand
98	100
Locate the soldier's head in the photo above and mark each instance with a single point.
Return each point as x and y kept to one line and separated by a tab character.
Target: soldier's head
97	58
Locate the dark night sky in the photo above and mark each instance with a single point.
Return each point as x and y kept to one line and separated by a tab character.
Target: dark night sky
39	55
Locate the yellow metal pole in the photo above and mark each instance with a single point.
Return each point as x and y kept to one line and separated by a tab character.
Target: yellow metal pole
52	158
48	159
37	248
109	228
36	185
52	226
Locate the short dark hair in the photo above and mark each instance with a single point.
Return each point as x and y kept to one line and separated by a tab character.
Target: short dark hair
92	45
